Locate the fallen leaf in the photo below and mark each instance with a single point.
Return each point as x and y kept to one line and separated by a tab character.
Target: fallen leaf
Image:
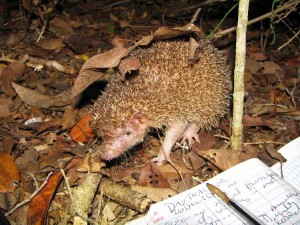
292	61
271	67
207	141
69	117
12	72
51	43
89	164
112	58
259	56
45	125
5	105
253	66
274	153
127	65
82	132
61	27
256	121
79	43
9	176
222	158
35	98
152	177
39	205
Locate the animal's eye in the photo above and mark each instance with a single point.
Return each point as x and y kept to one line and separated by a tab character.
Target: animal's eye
128	133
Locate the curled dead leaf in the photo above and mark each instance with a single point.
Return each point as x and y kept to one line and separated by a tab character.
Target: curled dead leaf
36	98
112	58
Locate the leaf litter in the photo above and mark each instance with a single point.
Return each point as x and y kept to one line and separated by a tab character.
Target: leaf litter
45	96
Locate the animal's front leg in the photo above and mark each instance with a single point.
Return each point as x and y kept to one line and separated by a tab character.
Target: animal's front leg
173	132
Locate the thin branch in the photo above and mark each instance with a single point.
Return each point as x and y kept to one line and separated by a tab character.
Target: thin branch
282	46
267	15
31	197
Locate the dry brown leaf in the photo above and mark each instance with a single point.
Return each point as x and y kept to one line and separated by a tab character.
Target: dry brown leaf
12	72
271	67
112	58
60	27
274	153
151	176
207	141
41	126
196	161
35	98
170	172
79	42
89	164
256	121
194	51
292	61
87	75
155	194
51	43
258	56
127	65
5	105
9	176
69	117
222	158
253	66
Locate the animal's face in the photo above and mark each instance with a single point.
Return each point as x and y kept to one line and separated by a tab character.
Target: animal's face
118	140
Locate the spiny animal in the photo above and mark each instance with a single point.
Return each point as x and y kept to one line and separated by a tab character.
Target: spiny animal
167	93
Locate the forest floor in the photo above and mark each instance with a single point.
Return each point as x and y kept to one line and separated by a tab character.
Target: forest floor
47	151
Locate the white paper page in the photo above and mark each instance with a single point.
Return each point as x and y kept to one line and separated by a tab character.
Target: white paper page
291	168
251	184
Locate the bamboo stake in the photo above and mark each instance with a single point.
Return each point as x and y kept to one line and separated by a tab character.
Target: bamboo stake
238	95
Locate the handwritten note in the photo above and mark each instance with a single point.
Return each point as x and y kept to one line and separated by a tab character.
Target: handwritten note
257	188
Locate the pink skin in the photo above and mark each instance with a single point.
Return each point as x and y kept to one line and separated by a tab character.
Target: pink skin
190	134
133	132
123	138
176	131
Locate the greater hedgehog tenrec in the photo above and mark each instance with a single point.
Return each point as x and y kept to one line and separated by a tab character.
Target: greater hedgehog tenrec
167	93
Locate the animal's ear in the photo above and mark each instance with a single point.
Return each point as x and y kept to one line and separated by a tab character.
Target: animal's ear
139	118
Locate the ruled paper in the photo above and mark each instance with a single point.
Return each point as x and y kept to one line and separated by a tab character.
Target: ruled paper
256	187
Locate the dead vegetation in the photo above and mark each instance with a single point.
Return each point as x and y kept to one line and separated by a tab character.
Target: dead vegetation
45	46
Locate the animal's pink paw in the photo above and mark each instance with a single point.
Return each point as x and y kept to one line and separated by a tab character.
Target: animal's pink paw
190	135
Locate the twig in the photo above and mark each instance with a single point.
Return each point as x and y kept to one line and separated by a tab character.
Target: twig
31	197
195	16
222	136
282	46
42	32
267	15
263	142
290	93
